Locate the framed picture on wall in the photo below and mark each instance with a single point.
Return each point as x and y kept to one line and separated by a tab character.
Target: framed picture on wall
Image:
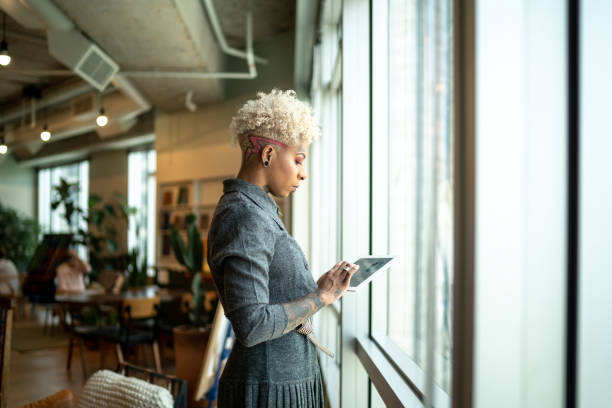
167	197
183	195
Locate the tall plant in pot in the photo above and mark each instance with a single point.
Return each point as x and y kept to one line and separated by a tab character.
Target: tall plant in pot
190	340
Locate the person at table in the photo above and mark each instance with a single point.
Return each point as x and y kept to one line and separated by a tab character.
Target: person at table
9	279
69	274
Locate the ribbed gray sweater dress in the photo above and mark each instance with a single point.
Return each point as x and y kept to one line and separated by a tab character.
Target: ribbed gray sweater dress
257	266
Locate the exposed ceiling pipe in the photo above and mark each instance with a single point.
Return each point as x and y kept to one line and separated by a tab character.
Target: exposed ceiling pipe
27	37
38	72
250	57
212	15
57	20
63	123
54	18
122	83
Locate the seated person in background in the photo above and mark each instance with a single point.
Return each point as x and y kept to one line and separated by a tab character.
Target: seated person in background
69	274
9	279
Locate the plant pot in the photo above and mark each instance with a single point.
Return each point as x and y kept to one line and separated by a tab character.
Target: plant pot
189	348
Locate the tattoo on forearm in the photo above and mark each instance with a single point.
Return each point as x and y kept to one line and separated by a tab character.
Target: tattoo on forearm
302	309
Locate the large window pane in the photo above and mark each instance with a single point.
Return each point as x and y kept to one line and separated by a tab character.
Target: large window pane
413	306
325	188
594	301
53	221
141	195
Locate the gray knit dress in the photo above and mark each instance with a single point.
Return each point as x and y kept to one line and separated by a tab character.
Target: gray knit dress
257	266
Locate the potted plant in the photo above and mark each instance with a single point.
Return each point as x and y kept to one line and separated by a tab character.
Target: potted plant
99	235
18	236
190	340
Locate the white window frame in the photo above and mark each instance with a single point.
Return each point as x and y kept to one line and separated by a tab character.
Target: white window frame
135	188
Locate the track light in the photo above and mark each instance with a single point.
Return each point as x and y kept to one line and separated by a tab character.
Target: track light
45	135
5	58
3	146
102	119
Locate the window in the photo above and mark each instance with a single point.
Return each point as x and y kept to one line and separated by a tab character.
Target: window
412	188
52	221
325	169
141	195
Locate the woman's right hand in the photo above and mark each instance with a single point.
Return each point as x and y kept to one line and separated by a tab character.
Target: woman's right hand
333	283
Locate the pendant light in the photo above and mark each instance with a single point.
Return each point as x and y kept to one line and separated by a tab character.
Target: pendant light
3	146
45	135
102	119
5	58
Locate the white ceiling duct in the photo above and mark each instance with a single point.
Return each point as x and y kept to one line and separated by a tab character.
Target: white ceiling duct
82	56
73	120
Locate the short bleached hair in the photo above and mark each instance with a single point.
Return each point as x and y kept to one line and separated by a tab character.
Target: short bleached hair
277	115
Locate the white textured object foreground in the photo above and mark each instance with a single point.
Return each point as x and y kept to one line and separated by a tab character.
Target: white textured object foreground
109	389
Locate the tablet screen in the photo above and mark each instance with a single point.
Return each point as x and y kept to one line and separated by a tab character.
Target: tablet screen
367	268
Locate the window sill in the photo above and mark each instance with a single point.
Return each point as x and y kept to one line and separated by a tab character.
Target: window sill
391	386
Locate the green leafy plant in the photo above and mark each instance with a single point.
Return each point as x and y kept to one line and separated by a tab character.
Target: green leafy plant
18	236
192	257
100	236
136	269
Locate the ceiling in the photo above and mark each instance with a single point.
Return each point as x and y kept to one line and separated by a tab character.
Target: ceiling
138	35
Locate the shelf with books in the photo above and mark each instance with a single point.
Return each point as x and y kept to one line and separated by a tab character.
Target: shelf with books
176	200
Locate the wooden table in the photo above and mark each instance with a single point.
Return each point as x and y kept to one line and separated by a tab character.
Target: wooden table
91	298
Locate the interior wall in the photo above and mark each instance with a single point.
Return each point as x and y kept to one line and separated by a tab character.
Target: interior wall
17	186
108	173
196	144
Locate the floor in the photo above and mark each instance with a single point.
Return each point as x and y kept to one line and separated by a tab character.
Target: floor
37	374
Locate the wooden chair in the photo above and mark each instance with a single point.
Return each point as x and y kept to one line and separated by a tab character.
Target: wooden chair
61	399
6	283
138	325
79	332
176	386
7	305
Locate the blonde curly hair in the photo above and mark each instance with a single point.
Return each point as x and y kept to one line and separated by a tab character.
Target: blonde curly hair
277	115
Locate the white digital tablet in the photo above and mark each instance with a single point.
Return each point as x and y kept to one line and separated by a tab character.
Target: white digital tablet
369	267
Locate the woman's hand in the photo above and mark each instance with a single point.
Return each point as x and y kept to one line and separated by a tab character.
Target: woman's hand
333	283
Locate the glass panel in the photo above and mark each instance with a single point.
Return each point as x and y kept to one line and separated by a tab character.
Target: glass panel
419	204
324	197
141	195
53	221
595	303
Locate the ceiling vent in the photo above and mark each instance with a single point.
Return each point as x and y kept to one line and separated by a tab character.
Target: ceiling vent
82	56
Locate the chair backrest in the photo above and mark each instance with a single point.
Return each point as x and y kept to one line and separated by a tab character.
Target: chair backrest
110	389
140	307
7	304
176	386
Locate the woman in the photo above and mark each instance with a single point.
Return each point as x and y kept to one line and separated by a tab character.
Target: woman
9	278
69	274
260	272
